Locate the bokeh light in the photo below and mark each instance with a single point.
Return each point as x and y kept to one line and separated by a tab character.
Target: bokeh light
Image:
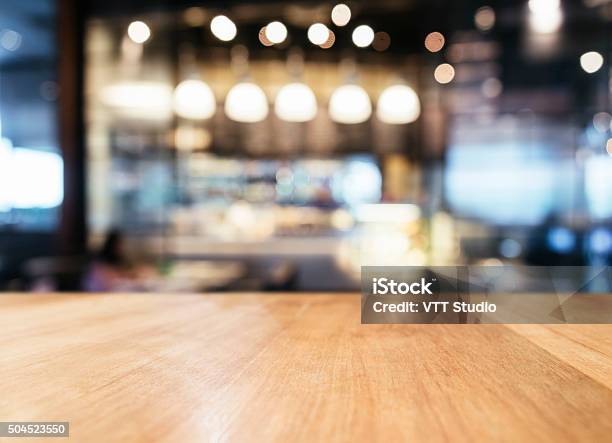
341	14
331	39
492	87
602	122
223	28
263	38
139	32
10	40
363	36
546	16
246	103
195	16
381	42
295	102
139	100
350	104
484	19
444	73
276	32
434	41
398	104
193	99
591	62
318	34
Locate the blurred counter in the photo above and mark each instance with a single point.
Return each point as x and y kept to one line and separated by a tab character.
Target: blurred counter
197	246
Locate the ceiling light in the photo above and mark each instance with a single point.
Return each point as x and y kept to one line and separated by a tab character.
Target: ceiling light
276	32
543	6
263	38
444	73
591	61
485	18
318	34
434	41
363	36
138	32
341	15
194	99
331	39
146	100
295	102
350	104
246	103
398	104
381	42
223	28
546	16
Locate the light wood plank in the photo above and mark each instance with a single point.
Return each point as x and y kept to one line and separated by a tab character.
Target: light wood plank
176	368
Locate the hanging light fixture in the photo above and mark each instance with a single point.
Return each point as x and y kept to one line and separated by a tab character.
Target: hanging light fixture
295	102
246	103
193	99
139	99
398	104
350	104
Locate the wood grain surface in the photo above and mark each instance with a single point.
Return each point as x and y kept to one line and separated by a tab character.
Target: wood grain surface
287	368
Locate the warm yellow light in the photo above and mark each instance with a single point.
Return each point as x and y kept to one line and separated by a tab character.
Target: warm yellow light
485	18
546	16
263	39
434	41
398	104
591	61
139	32
318	34
609	147
188	138
276	32
246	103
341	15
140	100
195	16
223	28
295	102
350	104
331	39
363	36
444	73
193	99
543	6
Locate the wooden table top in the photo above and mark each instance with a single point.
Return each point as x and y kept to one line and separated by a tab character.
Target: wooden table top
286	368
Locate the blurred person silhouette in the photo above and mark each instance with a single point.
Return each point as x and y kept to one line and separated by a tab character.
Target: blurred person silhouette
111	270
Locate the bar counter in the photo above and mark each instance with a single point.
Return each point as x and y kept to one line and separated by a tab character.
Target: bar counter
287	368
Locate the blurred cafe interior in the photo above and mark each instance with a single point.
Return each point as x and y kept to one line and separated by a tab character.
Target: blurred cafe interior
184	145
